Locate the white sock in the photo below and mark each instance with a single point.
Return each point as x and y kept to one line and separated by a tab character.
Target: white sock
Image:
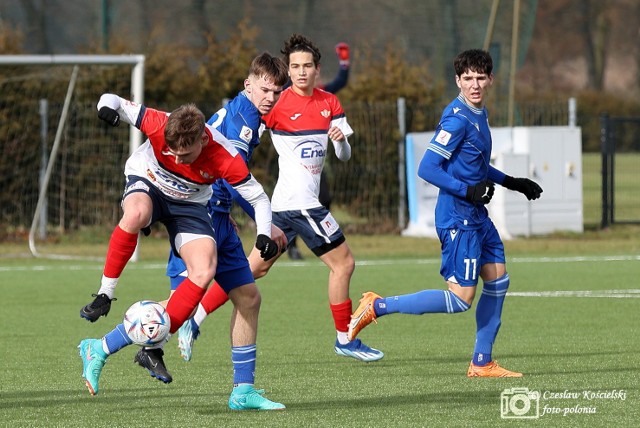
200	315
108	286
342	337
105	348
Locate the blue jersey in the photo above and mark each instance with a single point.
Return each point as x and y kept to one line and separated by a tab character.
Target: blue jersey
239	121
458	156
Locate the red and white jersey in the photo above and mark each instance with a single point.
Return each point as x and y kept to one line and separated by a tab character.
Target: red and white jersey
188	182
299	126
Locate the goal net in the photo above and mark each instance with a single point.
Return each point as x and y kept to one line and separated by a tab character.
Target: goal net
62	169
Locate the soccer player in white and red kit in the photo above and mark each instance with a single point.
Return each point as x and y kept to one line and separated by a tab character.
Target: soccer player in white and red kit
169	180
301	124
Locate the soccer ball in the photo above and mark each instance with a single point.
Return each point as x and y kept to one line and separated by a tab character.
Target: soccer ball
147	323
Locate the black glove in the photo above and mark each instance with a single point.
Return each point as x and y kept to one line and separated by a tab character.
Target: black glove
527	187
481	192
267	246
109	115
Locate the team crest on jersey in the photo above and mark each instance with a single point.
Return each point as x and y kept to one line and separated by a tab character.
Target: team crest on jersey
325	113
443	137
150	175
205	174
246	134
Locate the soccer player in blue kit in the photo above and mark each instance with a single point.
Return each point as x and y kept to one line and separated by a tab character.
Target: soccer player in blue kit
239	121
457	162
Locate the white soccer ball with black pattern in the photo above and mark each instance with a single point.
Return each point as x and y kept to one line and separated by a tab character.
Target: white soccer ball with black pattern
147	323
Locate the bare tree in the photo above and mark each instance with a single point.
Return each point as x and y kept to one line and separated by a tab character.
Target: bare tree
596	31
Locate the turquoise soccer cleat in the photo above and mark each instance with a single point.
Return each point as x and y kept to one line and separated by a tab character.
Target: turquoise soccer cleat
93	359
187	334
358	350
246	397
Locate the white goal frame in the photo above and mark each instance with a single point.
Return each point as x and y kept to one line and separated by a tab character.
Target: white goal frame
137	95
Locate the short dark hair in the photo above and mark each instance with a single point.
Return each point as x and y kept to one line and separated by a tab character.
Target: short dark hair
299	43
476	60
271	67
184	127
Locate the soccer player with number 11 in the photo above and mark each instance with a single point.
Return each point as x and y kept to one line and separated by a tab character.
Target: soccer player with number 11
457	162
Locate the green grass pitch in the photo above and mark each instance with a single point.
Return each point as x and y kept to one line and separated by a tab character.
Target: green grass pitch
581	341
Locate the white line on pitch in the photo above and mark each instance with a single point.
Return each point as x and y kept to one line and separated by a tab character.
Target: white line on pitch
615	294
385	262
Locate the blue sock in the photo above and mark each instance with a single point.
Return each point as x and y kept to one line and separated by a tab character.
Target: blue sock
244	364
488	318
117	339
422	302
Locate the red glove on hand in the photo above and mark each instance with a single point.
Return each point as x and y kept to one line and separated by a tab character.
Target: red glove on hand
342	50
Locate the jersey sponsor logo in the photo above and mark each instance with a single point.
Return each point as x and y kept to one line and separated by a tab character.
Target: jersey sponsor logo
329	225
173	187
315	150
295	116
443	137
246	134
325	113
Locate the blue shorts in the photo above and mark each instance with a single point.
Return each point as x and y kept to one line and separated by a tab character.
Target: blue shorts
233	267
316	227
464	252
177	216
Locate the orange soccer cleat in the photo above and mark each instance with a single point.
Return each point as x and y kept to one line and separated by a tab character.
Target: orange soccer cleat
364	314
490	370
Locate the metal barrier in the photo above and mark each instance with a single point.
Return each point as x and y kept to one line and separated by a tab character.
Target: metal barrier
620	149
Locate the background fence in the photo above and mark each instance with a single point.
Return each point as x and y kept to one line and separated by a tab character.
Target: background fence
620	170
84	193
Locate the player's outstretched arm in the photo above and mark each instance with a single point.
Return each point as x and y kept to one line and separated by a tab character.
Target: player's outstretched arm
108	109
344	61
111	109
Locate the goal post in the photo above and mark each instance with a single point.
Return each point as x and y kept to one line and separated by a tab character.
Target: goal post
73	183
